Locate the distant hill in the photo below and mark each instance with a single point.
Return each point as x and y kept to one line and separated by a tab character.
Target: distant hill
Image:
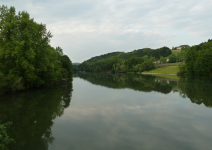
104	56
137	60
180	47
175	52
76	64
163	51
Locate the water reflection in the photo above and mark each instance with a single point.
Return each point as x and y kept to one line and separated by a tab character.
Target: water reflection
197	89
107	114
32	114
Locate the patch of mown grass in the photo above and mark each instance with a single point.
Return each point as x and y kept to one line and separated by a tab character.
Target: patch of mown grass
175	52
165	69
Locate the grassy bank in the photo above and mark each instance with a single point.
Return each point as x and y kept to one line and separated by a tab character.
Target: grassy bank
175	52
165	70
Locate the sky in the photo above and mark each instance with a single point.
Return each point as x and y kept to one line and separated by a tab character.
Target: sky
88	28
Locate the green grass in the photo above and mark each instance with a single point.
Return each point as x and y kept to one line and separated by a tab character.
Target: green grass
165	69
175	52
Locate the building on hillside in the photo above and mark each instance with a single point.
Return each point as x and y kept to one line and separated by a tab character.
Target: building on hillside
179	47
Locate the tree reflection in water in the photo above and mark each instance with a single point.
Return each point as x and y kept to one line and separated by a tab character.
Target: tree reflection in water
32	114
197	89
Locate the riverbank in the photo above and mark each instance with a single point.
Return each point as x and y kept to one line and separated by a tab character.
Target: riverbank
159	73
166	70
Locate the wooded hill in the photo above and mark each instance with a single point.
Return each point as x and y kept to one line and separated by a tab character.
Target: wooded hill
135	61
148	52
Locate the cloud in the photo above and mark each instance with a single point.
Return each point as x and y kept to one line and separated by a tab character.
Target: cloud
87	28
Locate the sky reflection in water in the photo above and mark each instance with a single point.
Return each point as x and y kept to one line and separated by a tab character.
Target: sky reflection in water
106	118
107	111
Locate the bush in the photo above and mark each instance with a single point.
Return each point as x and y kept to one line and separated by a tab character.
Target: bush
4	138
182	69
10	83
172	58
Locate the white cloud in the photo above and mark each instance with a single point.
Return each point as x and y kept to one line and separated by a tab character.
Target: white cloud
87	28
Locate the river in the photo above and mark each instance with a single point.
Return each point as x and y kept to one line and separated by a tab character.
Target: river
112	111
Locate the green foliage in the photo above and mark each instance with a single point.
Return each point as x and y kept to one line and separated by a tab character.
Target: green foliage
67	65
172	58
203	63
182	69
10	83
106	62
115	65
163	51
75	67
118	64
26	58
133	61
162	59
103	57
198	59
4	138
148	64
182	54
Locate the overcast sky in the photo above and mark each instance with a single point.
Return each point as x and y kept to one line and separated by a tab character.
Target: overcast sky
87	28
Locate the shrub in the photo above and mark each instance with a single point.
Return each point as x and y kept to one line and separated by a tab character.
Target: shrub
4	138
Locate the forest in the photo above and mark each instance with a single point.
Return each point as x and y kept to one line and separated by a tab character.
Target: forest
198	59
135	61
27	59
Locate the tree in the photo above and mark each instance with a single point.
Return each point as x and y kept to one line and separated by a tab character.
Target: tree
172	58
198	59
4	138
162	59
25	50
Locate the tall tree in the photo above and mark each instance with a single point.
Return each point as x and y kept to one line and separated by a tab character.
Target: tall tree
25	49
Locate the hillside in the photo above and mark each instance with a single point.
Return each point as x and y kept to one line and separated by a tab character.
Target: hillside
103	57
163	51
76	64
175	52
134	61
165	70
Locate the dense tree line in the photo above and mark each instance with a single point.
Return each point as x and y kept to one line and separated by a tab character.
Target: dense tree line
26	58
163	51
135	61
116	64
198	59
102	57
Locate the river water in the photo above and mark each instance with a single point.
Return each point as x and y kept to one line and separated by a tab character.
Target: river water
112	111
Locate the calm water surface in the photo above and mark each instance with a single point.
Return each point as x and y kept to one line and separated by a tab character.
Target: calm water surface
107	111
